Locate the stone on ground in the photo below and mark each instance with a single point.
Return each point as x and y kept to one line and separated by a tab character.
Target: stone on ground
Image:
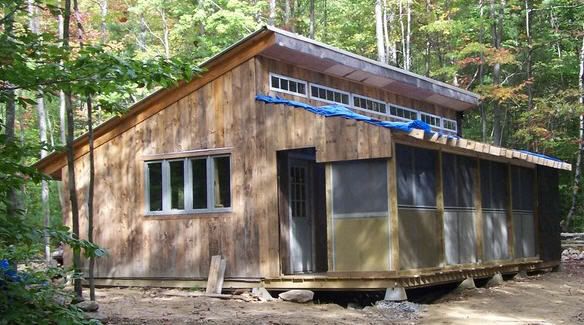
495	281
262	294
297	296
88	306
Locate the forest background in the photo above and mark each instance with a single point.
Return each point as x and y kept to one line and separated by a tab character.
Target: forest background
525	58
69	65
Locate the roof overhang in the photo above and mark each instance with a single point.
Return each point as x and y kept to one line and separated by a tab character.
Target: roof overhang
320	57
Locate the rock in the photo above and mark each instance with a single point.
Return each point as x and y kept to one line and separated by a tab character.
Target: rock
88	306
262	294
97	316
62	300
297	295
495	281
468	283
395	294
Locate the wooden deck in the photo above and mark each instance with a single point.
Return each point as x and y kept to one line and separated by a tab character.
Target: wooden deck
342	281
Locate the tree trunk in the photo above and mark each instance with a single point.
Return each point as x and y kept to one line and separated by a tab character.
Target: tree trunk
287	14
428	42
90	186
103	27
482	73
71	161
62	122
34	25
497	31
566	226
389	18
312	26
90	196
381	57
14	205
408	55
403	32
165	33
272	14
528	63
142	34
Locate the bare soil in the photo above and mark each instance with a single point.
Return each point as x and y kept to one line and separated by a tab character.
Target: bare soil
550	298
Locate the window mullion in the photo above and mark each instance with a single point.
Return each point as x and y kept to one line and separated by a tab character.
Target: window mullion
188	184
165	186
210	184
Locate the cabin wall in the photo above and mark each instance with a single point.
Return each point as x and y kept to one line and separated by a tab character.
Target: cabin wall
548	214
221	114
289	70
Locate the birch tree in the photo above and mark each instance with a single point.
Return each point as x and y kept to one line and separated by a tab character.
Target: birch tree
381	55
578	167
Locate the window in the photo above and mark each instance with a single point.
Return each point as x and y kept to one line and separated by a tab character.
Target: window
430	119
449	125
493	185
360	188
287	85
416	176
403	113
188	185
369	104
328	94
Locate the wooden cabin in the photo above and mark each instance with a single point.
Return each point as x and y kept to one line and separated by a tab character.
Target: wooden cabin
292	198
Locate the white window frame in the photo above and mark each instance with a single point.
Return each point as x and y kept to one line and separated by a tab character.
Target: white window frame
272	88
405	109
351	97
310	84
188	186
449	120
352	100
439	126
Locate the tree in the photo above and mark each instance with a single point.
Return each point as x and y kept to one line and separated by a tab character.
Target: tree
379	22
578	167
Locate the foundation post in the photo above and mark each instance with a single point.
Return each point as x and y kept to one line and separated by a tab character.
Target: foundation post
397	293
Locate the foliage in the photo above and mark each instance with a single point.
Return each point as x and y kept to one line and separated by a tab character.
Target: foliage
30	297
33	62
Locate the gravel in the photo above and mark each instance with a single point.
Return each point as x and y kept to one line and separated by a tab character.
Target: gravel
399	311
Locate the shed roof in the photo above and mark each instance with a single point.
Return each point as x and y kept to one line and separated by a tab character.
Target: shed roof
282	45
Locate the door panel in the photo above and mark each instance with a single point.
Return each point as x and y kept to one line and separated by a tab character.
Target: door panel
301	216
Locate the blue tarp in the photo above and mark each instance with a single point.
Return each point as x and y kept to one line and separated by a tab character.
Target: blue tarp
342	111
540	155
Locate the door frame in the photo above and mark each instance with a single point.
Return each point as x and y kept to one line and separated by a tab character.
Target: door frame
307	161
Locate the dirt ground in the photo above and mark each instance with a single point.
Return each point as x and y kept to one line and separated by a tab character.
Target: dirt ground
550	298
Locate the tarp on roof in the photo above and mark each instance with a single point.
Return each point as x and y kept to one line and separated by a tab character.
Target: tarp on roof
344	112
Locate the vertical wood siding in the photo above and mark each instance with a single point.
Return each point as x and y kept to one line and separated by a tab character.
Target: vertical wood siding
223	113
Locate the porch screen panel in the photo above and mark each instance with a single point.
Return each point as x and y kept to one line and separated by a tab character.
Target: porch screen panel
360	215
417	213
458	174
494	195
522	180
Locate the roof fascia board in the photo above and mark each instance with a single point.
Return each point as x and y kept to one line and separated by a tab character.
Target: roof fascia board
311	47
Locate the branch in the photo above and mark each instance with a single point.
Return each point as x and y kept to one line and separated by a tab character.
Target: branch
474	77
509	76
